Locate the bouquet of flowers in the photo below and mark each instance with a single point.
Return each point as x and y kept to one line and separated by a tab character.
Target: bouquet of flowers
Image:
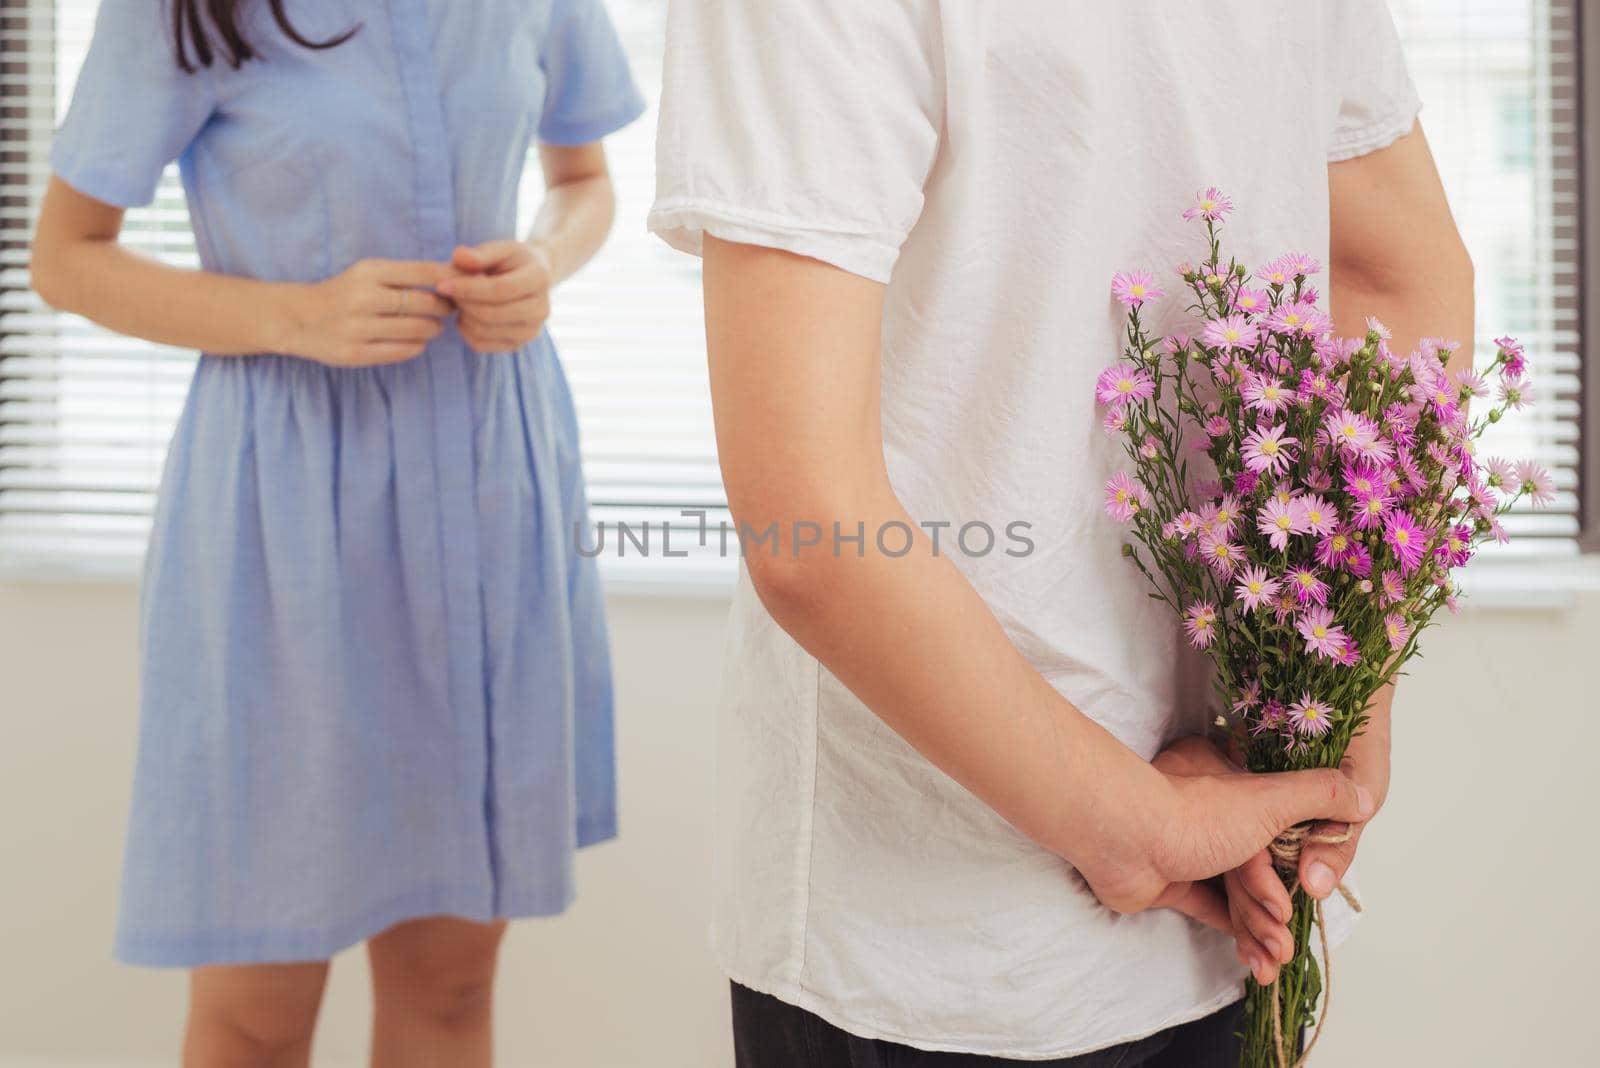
1301	501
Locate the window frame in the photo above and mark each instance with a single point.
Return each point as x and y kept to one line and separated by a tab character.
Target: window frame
1586	70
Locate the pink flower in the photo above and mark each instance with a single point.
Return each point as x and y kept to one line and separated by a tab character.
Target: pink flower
1219	554
1536	483
1472	384
1233	332
1407	540
1186	524
1255	588
1322	637
1308	588
1311	718
1119	384
1211	204
1350	431
1278	519
1249	698
1515	360
1280	272
1200	623
1397	630
1334	547
1394	590
1268	450
1133	288
1456	548
1316	384
1359	563
1320	516
1302	265
1264	393
1298	320
1516	391
1218	427
1251	301
1125	496
1116	421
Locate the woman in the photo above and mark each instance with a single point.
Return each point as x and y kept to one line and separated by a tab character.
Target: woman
376	687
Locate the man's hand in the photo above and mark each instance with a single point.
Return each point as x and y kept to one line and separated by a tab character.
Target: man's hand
1258	906
1220	819
502	289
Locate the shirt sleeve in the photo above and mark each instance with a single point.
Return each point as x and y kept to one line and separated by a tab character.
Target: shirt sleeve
589	89
804	125
134	109
1377	102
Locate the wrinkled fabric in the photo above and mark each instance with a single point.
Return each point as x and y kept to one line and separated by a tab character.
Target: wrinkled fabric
376	682
993	164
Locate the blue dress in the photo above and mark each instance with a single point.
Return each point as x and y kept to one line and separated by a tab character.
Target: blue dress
376	683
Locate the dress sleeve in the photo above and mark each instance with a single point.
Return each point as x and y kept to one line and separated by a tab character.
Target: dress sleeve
1377	102
589	89
804	125
134	110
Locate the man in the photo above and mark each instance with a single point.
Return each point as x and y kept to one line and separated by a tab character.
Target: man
941	831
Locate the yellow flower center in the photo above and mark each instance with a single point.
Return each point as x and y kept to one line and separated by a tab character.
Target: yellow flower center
1284	522
1314	516
1340	543
1307	581
1402	537
1208	205
1137	289
1231	334
1319	630
1270	447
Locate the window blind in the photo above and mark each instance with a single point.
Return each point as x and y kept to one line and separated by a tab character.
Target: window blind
85	415
1498	80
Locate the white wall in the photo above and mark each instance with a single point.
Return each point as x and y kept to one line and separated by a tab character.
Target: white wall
1477	948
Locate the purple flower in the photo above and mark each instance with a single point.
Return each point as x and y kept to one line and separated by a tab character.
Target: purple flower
1406	539
1133	288
1308	587
1514	360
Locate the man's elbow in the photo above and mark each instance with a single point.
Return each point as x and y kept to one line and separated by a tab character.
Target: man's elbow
797	570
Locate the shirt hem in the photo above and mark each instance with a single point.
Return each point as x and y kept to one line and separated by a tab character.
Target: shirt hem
795	995
568	134
100	186
1379	134
682	223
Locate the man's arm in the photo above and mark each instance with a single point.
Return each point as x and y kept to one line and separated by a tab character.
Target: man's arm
1395	254
794	361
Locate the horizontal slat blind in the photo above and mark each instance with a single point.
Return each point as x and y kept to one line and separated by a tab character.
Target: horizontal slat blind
85	415
1498	83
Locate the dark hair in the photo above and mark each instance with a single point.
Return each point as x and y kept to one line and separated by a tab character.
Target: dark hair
189	30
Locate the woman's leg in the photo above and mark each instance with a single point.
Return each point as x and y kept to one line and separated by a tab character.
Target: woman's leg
253	1015
433	988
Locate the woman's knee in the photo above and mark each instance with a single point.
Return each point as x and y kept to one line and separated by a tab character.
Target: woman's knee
442	970
254	1013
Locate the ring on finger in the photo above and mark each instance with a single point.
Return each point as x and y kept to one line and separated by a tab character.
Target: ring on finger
399	302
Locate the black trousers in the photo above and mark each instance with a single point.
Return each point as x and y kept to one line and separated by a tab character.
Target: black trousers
768	1033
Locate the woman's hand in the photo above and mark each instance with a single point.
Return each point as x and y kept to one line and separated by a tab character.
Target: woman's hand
502	290
375	312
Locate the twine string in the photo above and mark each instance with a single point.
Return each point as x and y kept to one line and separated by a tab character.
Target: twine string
1285	851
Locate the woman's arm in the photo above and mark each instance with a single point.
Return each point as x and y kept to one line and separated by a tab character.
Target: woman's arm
503	287
794	360
377	312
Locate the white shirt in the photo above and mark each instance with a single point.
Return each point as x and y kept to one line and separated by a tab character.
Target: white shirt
994	163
